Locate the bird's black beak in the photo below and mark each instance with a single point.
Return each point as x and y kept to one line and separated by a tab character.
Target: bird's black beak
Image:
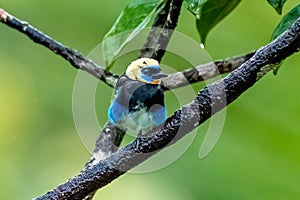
156	77
159	75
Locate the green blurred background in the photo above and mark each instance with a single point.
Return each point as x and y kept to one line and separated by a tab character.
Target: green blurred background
257	156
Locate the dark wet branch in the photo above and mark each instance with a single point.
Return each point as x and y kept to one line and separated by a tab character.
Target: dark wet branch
234	84
75	58
209	101
204	72
107	143
162	29
110	137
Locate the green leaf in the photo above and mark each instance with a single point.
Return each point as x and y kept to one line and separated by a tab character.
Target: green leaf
194	6
277	5
209	13
283	25
135	16
286	22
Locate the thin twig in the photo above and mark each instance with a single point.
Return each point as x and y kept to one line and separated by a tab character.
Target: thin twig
162	29
204	72
75	58
209	100
176	80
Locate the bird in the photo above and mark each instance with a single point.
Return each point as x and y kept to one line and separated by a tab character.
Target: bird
138	101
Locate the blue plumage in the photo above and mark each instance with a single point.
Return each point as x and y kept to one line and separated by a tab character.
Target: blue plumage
138	103
117	112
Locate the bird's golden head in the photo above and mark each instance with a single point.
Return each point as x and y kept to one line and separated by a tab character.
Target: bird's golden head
145	70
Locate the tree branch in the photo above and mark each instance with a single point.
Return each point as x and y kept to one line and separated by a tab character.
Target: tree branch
208	101
110	137
107	143
104	145
162	29
203	72
158	39
75	58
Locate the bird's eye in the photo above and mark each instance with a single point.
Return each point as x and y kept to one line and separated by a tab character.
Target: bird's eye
150	71
146	71
144	63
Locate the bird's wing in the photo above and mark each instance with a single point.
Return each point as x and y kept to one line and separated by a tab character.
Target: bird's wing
125	88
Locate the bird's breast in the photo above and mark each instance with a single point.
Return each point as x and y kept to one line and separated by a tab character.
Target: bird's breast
140	120
138	106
